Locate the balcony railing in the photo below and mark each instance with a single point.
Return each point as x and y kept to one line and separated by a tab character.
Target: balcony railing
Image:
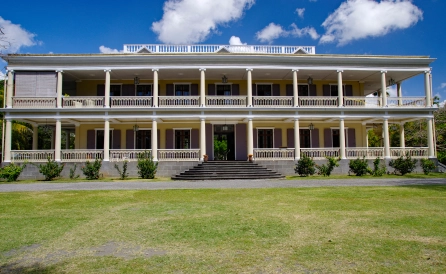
414	152
83	102
20	156
226	101
274	154
131	101
81	155
367	152
320	153
406	102
131	155
179	101
33	102
318	101
361	102
179	155
272	101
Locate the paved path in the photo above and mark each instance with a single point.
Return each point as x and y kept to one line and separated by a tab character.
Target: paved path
215	184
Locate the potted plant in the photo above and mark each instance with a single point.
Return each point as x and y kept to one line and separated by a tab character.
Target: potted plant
250	157
205	157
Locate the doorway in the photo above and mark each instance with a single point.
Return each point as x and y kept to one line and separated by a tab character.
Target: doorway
224	143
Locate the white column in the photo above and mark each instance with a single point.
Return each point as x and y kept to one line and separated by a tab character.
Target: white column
202	88
365	137
57	141
399	93
296	140
35	136
77	137
59	89
202	138
342	138
383	88
427	88
8	131
250	138
155	140
340	89
10	89
107	89
386	138
106	140
402	137
430	138
249	83
67	139
295	90
155	88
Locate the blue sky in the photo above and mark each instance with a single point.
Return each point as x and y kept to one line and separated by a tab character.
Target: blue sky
391	27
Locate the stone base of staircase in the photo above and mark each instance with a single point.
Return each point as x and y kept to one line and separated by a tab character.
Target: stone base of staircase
227	170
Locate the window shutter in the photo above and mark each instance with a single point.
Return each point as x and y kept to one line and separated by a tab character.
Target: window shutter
169	139
91	139
116	139
194	89
328	139
240	142
130	139
25	84
277	137
46	84
254	136
351	137
315	138
128	90
169	90
194	135
211	90
313	91
289	90
209	145
254	90
326	89
276	90
348	90
100	90
290	137
235	89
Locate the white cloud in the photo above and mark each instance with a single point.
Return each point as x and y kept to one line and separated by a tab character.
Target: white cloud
15	37
443	85
192	21
104	49
235	41
273	31
442	103
358	19
300	12
2	76
392	91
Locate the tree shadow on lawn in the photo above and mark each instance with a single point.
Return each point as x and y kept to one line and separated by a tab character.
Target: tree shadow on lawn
16	268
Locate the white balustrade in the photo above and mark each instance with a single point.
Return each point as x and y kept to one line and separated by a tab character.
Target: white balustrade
226	101
81	155
320	153
179	101
131	155
83	102
274	153
180	155
362	102
131	101
258	49
406	102
414	152
33	102
272	101
20	156
318	101
367	152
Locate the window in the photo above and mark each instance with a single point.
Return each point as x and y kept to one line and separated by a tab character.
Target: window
115	90
335	138
305	138
144	90
100	139
143	139
265	138
224	90
182	139
303	90
182	89
264	90
334	90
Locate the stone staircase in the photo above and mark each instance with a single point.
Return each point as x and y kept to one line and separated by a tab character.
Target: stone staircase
227	170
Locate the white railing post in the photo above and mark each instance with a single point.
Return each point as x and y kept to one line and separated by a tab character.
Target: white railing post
295	86
59	89
386	138
106	140
10	89
296	140
342	138
250	137
340	89
430	138
202	88
155	140
249	83
427	89
202	138
7	149
107	88
155	88
57	146
383	88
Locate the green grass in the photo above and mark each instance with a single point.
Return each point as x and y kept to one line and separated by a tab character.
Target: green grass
323	230
80	180
386	176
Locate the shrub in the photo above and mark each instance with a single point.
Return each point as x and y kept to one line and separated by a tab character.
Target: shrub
441	156
327	169
359	167
11	172
91	170
73	172
146	166
378	170
305	166
403	165
123	174
427	165
51	169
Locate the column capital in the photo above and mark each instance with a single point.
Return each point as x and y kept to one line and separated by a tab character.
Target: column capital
59	70
296	119
155	69
202	119
9	70
154	120
107	70
249	69
249	119
383	71
427	71
339	70
202	69
341	119
294	70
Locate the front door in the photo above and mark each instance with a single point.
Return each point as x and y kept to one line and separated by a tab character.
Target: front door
224	143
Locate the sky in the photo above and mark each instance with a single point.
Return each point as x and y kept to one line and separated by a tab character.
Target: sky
387	27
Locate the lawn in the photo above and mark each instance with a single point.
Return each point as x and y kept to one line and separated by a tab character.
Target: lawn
321	230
